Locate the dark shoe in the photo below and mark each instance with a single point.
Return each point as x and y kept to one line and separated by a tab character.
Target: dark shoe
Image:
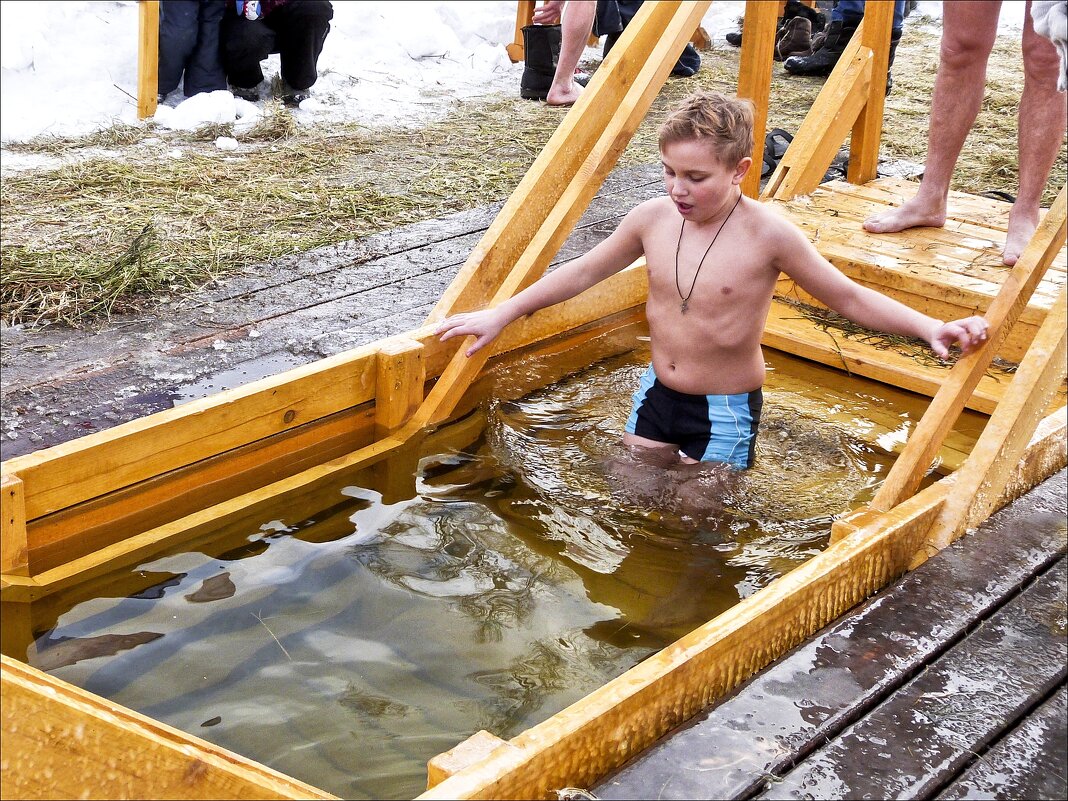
689	62
251	95
775	144
895	37
293	99
792	10
541	44
795	39
822	61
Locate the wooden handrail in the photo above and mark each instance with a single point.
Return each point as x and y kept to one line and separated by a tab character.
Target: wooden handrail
981	481
754	80
909	468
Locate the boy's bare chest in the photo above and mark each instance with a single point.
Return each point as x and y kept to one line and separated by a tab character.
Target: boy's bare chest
727	274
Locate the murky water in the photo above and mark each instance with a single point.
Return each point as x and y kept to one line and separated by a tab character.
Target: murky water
534	561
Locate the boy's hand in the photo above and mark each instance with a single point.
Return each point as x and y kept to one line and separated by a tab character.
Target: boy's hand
484	325
969	333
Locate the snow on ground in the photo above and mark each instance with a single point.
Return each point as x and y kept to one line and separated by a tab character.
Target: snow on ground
68	68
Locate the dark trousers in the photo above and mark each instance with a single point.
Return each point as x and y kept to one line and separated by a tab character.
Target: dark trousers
296	31
189	43
614	15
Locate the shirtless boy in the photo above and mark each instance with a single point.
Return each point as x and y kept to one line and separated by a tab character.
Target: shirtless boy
713	258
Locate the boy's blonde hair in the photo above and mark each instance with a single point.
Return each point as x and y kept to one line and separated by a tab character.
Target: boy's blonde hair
724	122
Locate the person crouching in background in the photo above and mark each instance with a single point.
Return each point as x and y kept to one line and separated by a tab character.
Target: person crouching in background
295	29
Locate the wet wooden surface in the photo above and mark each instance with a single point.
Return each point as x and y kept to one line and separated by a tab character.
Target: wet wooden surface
950	681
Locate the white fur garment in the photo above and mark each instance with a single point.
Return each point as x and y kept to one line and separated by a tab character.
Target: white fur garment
1051	20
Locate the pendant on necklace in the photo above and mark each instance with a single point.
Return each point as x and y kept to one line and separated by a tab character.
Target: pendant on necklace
684	305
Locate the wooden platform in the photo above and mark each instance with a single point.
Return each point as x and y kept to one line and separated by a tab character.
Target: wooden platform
948	272
949	684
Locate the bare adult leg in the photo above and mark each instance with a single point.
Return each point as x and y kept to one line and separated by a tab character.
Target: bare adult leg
968	33
1040	133
575	30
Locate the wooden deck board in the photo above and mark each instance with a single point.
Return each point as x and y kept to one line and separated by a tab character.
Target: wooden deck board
811	694
922	736
1027	763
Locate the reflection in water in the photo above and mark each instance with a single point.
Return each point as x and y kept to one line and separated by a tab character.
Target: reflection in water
348	644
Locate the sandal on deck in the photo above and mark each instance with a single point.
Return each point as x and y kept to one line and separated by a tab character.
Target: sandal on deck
997	194
774	150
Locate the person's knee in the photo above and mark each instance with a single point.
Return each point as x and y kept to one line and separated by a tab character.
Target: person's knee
1041	61
965	51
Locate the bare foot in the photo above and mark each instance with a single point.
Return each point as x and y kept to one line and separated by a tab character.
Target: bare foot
913	213
565	96
1022	226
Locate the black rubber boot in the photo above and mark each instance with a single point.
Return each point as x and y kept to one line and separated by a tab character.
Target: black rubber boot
541	44
822	61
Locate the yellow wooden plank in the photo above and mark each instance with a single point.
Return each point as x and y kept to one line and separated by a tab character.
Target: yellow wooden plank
909	468
986	473
754	79
524	13
399	385
147	58
825	126
868	129
967	212
15	548
63	742
94	465
962	245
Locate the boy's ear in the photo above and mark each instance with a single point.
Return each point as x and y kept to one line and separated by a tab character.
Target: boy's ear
741	170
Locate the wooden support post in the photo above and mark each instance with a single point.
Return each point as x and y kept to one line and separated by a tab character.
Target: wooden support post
828	121
868	129
982	480
915	459
147	58
524	15
16	635
14	554
401	374
754	80
399	391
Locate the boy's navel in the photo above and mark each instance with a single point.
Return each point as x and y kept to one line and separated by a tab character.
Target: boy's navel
726	290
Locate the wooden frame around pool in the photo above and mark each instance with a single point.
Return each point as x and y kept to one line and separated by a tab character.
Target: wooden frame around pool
175	475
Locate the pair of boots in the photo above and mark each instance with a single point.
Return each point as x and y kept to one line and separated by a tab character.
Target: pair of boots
793	31
828	47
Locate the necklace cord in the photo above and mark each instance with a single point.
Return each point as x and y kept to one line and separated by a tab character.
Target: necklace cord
700	264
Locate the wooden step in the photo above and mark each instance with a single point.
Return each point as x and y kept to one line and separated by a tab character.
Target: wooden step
788	330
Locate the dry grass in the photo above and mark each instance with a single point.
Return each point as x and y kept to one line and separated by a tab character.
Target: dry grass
106	232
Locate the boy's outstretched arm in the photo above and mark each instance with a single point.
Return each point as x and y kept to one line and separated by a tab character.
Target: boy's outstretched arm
865	306
620	249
